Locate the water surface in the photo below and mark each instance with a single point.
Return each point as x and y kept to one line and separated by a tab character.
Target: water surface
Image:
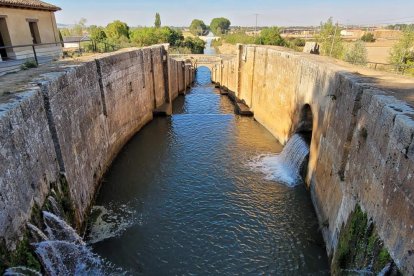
183	199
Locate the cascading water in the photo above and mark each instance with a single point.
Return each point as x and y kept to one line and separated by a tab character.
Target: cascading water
286	167
60	250
64	252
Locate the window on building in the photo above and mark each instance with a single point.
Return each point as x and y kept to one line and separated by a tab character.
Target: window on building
34	31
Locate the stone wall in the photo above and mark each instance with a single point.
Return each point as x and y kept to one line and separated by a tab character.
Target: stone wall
73	124
362	148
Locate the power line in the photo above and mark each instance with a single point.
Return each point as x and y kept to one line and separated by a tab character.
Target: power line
389	21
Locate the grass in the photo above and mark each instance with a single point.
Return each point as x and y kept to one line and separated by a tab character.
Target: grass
30	63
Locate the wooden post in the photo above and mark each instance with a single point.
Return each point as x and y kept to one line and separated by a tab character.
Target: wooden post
35	55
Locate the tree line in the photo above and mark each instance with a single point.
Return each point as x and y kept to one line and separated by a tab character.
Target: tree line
118	34
329	38
218	26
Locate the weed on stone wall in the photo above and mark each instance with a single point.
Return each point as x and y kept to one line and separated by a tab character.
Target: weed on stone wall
24	254
360	249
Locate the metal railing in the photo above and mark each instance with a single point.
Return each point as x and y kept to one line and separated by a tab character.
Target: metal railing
15	58
85	45
399	69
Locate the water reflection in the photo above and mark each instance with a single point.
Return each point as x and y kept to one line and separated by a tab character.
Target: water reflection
201	209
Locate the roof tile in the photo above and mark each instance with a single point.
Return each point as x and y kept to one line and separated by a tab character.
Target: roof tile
30	4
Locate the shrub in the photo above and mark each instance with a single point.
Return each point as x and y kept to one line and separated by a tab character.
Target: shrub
195	44
299	42
238	37
271	36
30	63
357	53
368	37
149	36
401	53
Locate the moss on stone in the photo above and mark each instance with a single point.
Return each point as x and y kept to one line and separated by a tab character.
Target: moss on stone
359	247
64	200
24	254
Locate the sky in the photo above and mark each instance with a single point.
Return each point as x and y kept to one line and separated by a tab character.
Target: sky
240	13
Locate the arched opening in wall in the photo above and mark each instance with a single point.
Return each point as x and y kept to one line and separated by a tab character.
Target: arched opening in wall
203	75
304	126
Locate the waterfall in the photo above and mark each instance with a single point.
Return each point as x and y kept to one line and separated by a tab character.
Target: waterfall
287	167
64	252
68	258
60	249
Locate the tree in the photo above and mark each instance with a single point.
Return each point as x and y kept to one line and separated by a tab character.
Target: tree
357	53
197	27
219	26
97	35
79	27
271	36
330	39
196	45
65	32
368	37
169	35
117	30
157	23
402	52
149	36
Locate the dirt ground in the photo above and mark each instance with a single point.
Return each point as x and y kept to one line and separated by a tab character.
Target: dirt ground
402	87
227	49
23	80
379	50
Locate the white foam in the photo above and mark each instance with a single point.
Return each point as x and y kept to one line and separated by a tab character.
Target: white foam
285	167
110	223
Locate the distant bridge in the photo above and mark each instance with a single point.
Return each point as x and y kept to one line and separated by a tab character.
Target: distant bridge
209	61
205	38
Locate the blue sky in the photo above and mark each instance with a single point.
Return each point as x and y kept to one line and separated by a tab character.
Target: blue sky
271	12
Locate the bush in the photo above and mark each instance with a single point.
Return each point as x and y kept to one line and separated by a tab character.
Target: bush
271	36
401	53
195	44
238	37
150	36
30	63
298	42
357	53
368	37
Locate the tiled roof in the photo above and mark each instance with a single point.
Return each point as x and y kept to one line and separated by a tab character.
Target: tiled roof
29	4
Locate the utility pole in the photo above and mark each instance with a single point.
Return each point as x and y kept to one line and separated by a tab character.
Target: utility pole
255	28
333	39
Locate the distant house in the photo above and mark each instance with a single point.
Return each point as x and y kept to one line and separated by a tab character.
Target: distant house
28	22
71	42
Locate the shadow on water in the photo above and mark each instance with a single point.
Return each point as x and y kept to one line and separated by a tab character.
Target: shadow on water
183	198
